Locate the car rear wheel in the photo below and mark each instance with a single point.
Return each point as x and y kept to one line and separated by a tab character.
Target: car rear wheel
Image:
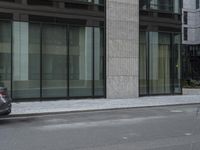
7	112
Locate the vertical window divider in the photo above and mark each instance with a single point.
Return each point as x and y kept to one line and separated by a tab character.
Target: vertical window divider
11	76
67	65
181	63
147	64
41	67
172	64
104	51
93	59
104	61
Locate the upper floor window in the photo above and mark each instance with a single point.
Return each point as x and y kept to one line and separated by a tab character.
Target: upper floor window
163	5
93	5
92	1
185	17
51	2
185	32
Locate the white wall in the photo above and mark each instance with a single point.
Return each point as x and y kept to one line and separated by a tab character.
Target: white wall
193	22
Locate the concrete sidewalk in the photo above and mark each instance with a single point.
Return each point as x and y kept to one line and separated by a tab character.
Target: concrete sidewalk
30	108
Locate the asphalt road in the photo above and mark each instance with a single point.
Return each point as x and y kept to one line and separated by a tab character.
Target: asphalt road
164	128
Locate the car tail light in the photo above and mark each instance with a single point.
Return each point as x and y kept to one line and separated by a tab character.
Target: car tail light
3	93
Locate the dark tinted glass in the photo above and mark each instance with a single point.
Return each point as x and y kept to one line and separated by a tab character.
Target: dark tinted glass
54	61
80	61
5	54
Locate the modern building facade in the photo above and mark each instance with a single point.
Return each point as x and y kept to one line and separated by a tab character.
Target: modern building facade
52	49
67	49
191	40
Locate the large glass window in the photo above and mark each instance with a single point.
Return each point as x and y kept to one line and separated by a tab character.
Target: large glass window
80	61
54	61
5	54
160	63
26	60
164	5
177	4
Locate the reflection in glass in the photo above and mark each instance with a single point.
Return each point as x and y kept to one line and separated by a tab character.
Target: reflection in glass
5	54
143	4
159	63
160	70
54	61
80	55
164	5
177	6
143	63
177	60
41	68
98	61
99	2
26	60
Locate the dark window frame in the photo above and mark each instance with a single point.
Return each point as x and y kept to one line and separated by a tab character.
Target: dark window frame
185	33
185	17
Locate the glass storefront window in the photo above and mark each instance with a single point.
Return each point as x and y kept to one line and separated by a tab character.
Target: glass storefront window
159	63
160	71
26	60
54	61
5	54
80	61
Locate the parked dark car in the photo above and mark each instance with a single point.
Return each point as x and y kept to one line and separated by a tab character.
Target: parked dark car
5	102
